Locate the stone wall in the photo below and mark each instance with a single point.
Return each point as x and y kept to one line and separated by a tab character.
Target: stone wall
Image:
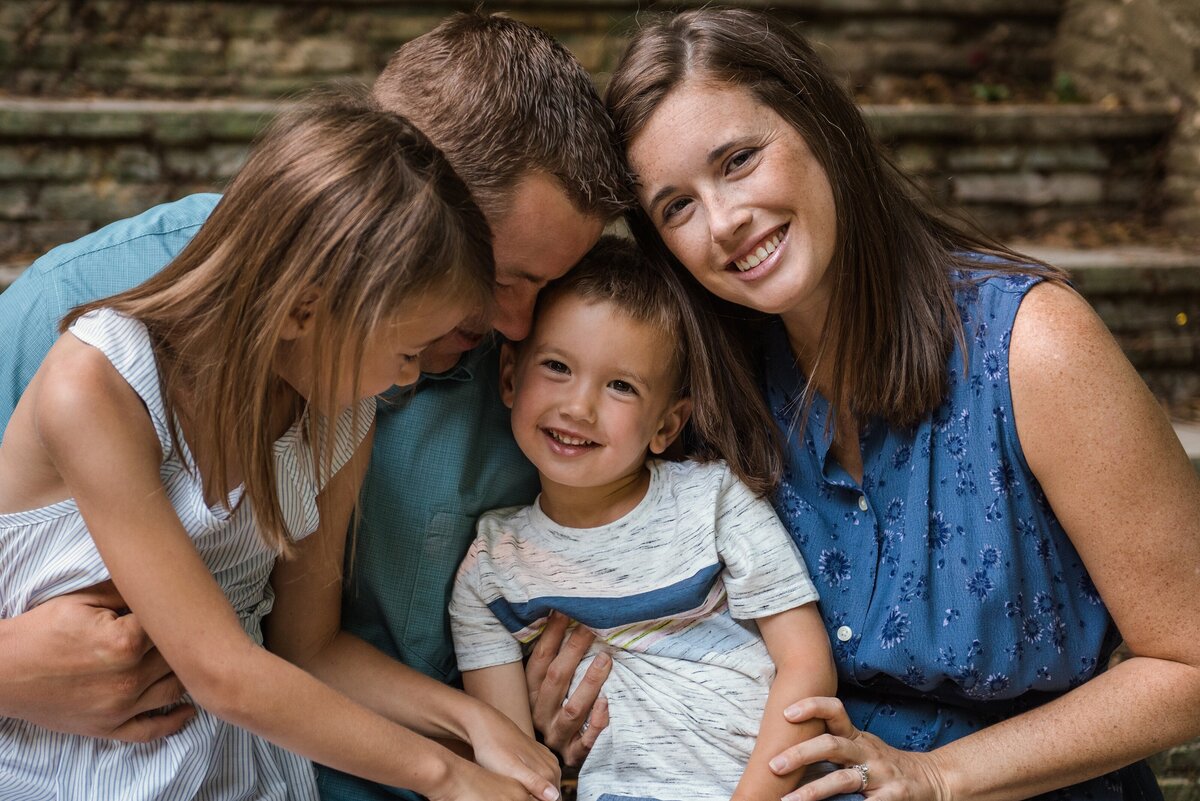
1133	52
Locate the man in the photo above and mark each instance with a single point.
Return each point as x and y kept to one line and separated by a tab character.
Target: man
518	118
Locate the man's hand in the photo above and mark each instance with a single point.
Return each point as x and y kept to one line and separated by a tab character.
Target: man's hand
548	675
76	664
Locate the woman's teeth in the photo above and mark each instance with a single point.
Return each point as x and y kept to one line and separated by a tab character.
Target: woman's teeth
765	249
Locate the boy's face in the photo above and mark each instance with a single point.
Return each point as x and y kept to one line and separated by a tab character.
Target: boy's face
540	236
590	391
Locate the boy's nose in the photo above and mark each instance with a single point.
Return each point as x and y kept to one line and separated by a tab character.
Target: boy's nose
579	406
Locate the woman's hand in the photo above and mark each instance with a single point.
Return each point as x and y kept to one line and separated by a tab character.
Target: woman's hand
78	666
570	728
892	774
501	746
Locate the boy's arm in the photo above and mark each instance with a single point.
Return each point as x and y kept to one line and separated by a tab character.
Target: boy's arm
799	646
503	688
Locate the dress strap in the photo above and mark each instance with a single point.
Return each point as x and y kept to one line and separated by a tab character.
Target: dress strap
126	343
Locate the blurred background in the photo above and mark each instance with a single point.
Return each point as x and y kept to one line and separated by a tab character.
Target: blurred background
1069	128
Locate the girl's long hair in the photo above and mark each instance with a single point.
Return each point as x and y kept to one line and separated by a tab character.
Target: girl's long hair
338	200
892	322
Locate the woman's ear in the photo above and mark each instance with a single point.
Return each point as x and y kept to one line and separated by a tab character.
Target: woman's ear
672	422
302	316
508	373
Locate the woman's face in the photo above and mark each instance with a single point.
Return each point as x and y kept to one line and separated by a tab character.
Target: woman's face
738	197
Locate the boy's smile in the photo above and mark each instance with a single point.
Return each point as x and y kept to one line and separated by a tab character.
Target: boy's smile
592	390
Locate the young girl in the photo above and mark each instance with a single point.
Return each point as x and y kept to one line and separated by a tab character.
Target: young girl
181	435
668	562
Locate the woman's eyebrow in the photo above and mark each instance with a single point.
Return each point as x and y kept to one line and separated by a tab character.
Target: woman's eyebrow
713	155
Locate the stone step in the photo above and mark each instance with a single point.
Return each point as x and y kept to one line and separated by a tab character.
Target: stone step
70	166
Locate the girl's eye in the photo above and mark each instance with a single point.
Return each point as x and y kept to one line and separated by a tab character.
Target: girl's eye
555	366
624	387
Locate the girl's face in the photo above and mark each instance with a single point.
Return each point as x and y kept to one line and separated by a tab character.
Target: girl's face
738	197
391	354
591	390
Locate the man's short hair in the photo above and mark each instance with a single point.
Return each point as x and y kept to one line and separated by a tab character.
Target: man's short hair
503	99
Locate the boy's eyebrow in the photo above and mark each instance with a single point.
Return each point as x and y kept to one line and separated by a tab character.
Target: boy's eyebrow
713	155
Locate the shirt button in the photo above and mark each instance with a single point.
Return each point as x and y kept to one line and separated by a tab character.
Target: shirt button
844	633
862	502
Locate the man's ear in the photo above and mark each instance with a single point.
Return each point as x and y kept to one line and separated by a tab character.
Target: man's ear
302	316
671	424
508	373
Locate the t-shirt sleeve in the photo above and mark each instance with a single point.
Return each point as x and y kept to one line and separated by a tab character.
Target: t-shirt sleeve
480	639
764	573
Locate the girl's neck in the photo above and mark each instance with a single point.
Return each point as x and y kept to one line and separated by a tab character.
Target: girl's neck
590	507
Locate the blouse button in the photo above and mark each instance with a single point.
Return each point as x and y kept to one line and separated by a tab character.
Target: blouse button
862	502
844	633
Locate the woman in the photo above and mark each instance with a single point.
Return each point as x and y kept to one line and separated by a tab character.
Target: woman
984	488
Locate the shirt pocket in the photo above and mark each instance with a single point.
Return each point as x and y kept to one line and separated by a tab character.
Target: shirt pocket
427	645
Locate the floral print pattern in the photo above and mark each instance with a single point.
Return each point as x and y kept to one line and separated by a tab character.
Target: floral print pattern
958	596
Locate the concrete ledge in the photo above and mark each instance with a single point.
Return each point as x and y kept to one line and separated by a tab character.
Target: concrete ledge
1103	271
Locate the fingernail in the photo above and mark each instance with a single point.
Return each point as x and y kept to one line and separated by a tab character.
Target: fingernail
778	764
550	794
602	659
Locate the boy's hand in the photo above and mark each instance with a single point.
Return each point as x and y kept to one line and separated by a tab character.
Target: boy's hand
571	728
74	664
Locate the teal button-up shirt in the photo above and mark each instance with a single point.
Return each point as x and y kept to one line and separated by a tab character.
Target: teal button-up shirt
443	451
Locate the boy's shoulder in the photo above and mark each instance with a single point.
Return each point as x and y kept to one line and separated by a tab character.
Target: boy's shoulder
690	473
495	522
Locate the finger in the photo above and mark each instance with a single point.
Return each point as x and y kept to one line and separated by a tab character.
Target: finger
828	747
845	781
581	745
129	639
145	727
554	686
583	698
544	651
536	784
823	708
163	692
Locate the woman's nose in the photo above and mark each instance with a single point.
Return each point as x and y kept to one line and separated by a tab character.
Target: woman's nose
726	219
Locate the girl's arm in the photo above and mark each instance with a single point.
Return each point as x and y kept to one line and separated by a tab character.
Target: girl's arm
96	432
1127	496
799	646
503	688
305	628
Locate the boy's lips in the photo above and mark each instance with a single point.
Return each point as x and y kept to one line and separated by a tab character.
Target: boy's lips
567	443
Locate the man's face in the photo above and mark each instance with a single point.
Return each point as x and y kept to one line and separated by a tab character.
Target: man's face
539	237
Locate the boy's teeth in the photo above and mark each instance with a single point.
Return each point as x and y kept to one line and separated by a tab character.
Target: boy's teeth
756	258
565	440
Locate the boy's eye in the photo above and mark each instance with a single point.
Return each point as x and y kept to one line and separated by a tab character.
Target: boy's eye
555	366
624	387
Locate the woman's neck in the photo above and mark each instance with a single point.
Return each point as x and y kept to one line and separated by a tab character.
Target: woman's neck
590	507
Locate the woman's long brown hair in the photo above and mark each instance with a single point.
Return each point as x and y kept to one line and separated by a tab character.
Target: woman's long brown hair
338	199
892	322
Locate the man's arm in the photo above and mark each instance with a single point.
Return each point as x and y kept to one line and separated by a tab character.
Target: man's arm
75	664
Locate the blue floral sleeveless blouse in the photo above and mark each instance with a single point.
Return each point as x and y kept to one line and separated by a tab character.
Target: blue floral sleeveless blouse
952	596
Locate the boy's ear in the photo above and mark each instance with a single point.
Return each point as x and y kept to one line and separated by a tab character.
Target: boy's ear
508	373
671	424
302	316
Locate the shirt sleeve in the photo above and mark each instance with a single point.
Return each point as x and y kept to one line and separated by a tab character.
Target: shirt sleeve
764	573
480	639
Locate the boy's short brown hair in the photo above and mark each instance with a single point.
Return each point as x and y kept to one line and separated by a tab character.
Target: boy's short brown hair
503	99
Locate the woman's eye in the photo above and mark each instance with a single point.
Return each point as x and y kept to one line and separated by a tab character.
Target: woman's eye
555	366
740	159
674	207
624	387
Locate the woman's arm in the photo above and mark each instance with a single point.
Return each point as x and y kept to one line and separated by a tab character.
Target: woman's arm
1128	498
804	667
305	628
96	433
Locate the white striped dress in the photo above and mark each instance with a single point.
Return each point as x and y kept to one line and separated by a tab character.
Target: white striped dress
47	552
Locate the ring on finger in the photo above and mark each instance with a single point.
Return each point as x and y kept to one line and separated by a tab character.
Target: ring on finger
587	724
864	776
